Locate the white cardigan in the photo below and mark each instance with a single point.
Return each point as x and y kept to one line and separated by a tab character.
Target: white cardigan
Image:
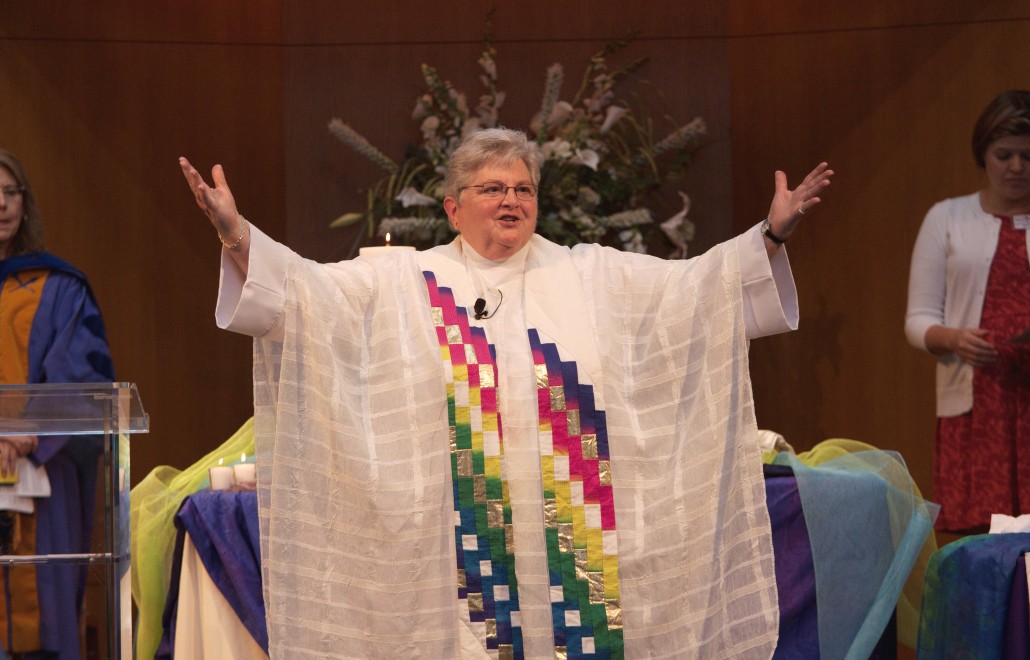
951	262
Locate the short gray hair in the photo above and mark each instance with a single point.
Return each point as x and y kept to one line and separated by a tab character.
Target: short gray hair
492	145
29	237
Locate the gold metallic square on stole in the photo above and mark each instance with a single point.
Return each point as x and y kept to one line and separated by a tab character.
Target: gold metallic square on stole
541	375
561	653
453	334
437	316
461	578
464	462
557	398
505	652
604	472
589	446
572	420
596	587
479	487
470	354
476	602
509	539
613	608
550	513
491	628
581	564
452	435
495	513
486	375
565	537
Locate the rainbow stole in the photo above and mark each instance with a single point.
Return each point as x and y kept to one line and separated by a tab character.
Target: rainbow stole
579	514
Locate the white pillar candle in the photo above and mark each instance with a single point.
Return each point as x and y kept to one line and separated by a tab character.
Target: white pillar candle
244	473
220	476
380	249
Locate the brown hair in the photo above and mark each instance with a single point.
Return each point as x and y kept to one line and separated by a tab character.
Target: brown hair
1008	114
30	232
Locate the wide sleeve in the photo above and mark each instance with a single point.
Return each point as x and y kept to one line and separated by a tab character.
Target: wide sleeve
68	343
927	278
253	304
770	298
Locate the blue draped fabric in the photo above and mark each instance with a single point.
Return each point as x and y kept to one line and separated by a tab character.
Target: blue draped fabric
967	599
223	527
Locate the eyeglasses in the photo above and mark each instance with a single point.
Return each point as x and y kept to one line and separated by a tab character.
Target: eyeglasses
497	190
10	192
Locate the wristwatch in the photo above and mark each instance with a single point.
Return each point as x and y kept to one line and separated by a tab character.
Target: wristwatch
767	231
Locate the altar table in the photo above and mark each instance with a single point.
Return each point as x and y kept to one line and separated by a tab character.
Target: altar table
218	531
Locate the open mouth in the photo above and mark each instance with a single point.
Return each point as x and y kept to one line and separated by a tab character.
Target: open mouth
508	219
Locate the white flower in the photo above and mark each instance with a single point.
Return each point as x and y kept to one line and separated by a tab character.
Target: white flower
679	229
401	227
588	196
586	157
429	126
471	126
559	113
557	149
489	66
614	114
632	241
411	197
423	104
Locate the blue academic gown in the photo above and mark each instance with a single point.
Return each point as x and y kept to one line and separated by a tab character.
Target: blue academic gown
67	344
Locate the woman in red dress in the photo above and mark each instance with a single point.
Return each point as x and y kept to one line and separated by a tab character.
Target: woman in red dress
969	304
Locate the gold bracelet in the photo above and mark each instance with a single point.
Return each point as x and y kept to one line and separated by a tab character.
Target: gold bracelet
243	232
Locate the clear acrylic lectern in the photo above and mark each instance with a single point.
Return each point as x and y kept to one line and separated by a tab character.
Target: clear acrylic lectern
112	411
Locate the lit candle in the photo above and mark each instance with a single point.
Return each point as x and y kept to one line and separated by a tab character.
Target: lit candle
379	249
220	476
244	473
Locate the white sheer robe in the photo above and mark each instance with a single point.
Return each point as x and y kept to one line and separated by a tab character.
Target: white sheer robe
353	448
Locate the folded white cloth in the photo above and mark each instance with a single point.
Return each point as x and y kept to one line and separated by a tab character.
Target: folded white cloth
773	440
32	482
1003	524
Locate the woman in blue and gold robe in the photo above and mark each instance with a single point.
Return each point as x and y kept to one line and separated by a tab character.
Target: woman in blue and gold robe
51	331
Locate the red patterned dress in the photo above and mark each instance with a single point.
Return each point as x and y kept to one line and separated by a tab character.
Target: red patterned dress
982	462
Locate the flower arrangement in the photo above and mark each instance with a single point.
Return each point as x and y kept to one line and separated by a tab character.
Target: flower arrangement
601	160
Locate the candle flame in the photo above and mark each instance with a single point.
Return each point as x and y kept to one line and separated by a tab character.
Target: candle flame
219	461
387	239
243	457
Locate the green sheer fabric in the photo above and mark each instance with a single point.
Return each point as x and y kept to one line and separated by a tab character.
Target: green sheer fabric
872	538
154	503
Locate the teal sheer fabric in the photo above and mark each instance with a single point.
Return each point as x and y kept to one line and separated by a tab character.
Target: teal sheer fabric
868	526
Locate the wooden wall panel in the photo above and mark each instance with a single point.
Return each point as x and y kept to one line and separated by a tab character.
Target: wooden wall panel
888	95
99	112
